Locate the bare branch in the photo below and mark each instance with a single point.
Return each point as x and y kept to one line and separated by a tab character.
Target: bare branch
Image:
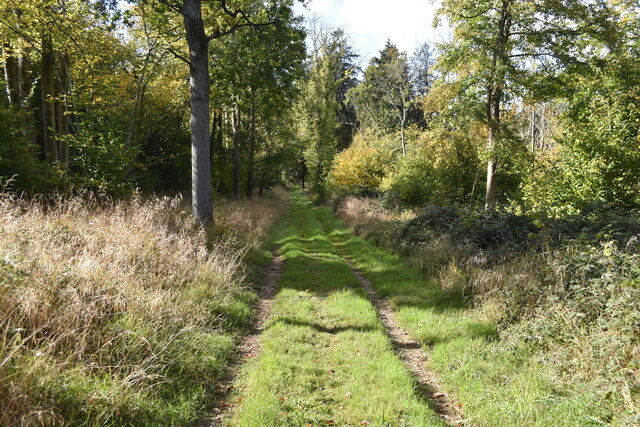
177	55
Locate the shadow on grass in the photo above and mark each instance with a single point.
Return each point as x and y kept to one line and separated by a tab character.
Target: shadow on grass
407	288
291	321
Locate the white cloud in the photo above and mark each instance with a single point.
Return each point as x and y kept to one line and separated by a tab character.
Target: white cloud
407	23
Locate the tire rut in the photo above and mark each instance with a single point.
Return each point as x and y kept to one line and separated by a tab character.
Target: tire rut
248	346
412	354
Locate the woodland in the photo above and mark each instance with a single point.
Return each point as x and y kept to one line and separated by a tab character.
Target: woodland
216	212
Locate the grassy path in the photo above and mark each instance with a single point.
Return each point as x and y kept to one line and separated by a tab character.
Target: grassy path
325	356
347	339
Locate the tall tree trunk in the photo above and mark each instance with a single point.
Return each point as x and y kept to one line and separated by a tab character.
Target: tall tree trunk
26	86
11	73
199	89
402	123
48	101
235	123
215	183
252	149
26	79
493	119
62	118
494	98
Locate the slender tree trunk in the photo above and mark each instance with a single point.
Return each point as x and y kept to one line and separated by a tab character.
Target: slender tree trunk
404	118
48	101
26	86
493	119
62	118
217	149
235	123
26	79
199	90
252	149
494	99
11	73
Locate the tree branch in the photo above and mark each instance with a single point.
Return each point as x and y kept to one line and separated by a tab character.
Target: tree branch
177	55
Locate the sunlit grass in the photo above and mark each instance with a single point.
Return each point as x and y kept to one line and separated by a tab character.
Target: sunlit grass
497	386
120	313
325	357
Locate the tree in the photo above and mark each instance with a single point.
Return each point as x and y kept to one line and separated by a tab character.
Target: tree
508	49
225	20
254	79
422	74
318	106
385	96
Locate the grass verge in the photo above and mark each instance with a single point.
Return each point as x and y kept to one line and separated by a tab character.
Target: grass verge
121	313
499	384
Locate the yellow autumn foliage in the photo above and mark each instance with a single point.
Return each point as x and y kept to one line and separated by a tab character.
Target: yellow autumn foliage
363	165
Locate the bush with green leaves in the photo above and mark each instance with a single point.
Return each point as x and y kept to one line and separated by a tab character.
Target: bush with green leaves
597	159
101	161
18	157
482	229
364	164
435	168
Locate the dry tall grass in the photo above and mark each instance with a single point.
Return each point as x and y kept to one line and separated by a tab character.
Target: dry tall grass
121	312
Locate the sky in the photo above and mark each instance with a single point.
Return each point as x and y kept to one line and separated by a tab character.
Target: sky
407	23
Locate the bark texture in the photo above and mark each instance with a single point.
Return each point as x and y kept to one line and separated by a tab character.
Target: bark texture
252	150
199	92
235	123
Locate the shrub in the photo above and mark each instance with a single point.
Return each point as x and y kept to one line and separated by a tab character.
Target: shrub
564	293
363	165
412	182
101	162
480	228
18	157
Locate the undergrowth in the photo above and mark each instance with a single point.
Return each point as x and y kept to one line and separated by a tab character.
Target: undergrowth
120	312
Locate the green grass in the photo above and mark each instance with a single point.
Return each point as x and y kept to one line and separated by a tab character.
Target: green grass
497	385
325	357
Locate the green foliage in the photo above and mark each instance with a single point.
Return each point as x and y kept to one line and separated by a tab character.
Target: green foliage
19	157
480	228
384	96
364	164
319	105
438	167
598	159
102	162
